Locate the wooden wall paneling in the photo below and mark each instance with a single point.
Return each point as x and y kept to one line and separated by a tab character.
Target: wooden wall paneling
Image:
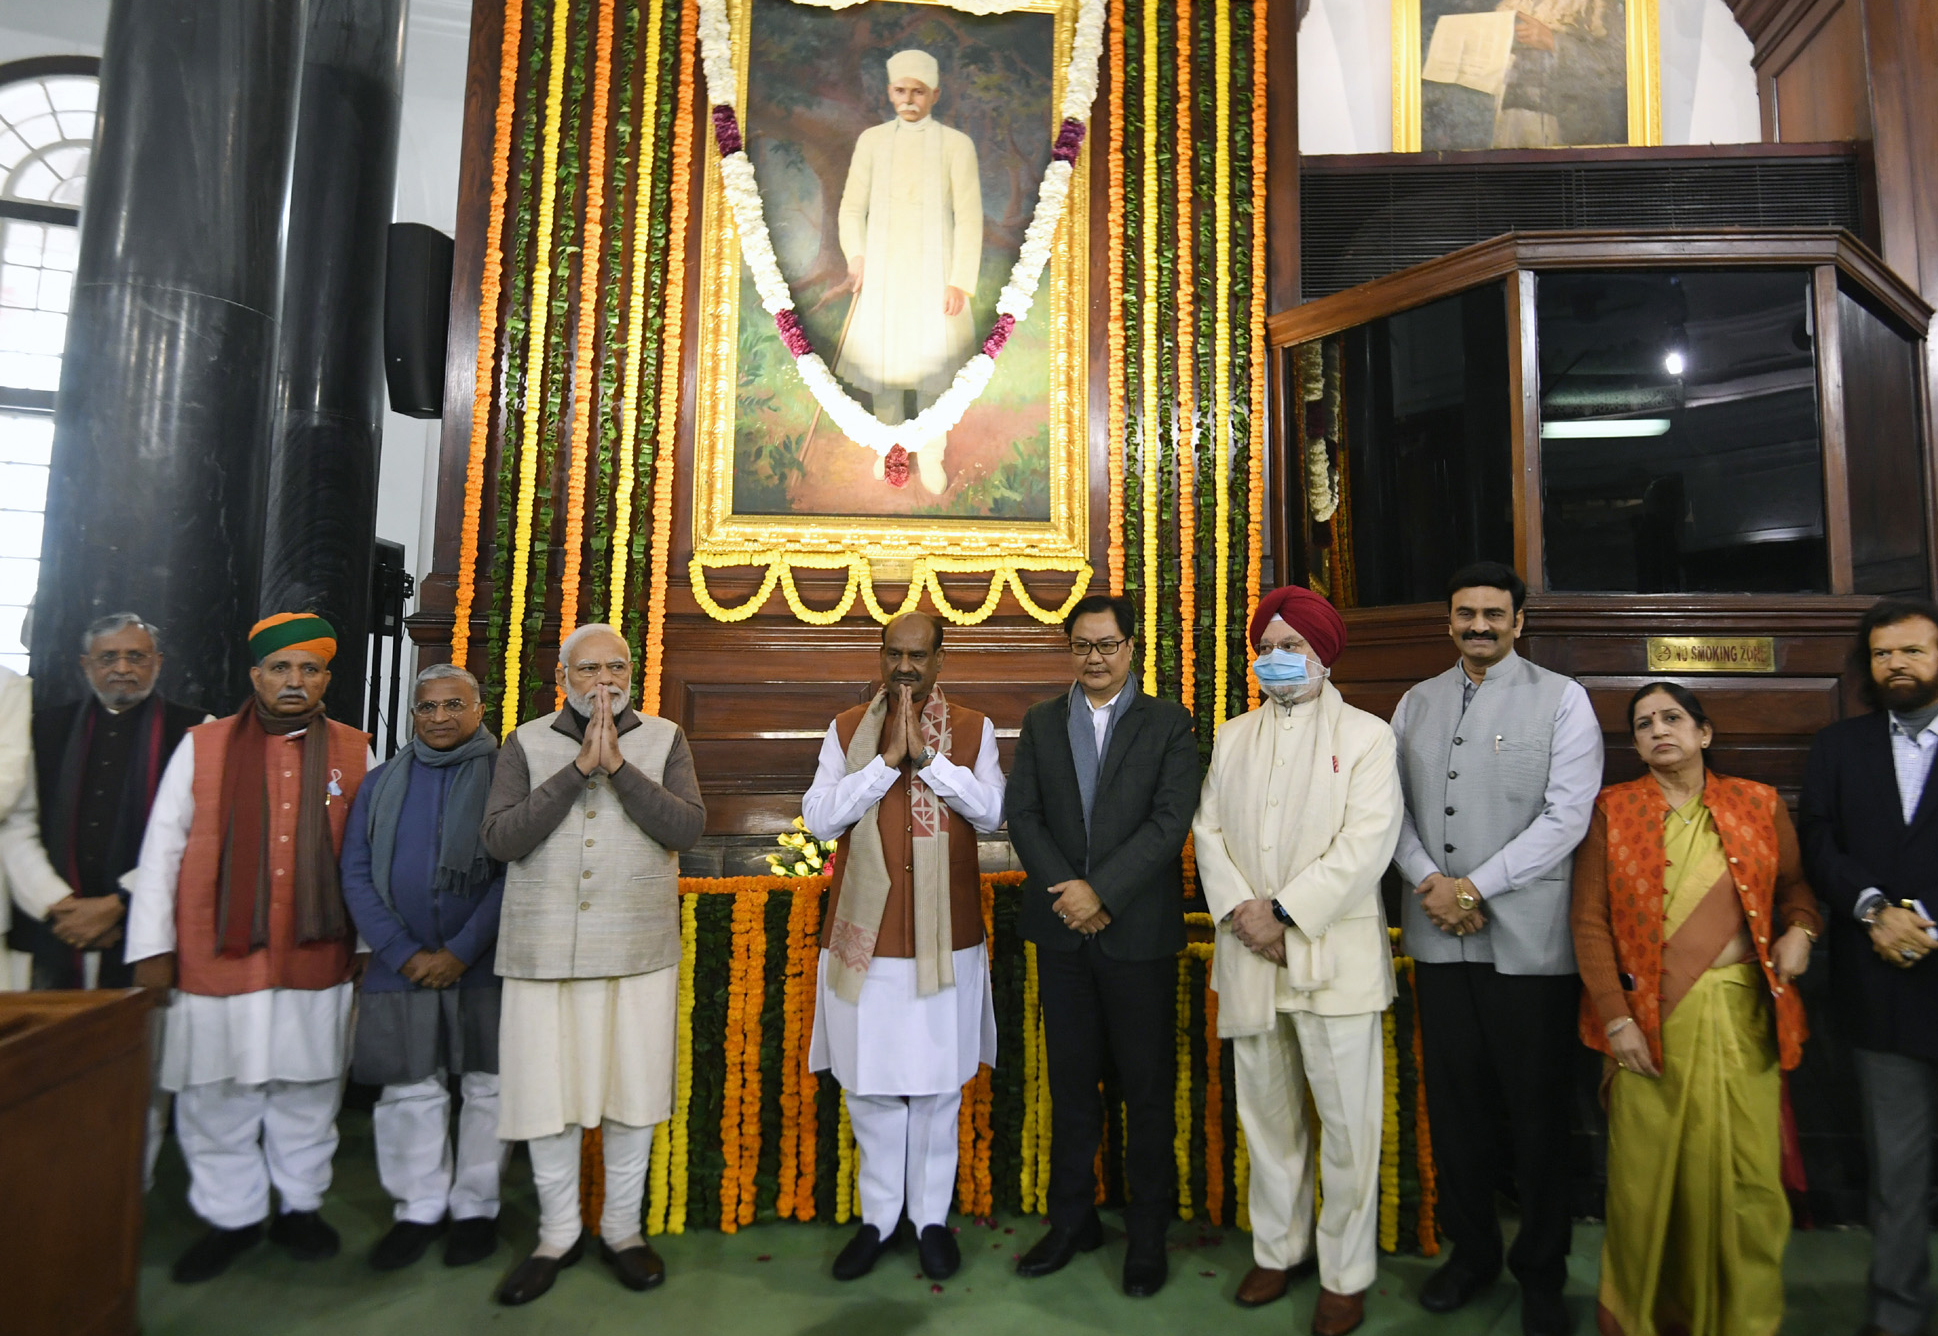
1524	426
1814	77
1830	407
1282	154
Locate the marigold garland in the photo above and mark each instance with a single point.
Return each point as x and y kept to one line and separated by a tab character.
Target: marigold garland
1221	367
591	253
780	567
807	1117
489	285
1181	1137
1214	1108
1032	1096
1149	428
790	1071
1389	1140
1423	1134
1187	407
636	314
1241	1179
734	1044
1115	336
535	355
845	1185
1255	493
754	990
675	308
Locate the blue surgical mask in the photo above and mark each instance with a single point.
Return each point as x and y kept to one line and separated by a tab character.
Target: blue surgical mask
1283	668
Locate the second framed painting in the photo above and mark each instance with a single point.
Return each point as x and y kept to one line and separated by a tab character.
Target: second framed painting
1517	74
899	146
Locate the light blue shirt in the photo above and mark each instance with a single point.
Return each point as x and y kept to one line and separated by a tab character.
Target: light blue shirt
1911	757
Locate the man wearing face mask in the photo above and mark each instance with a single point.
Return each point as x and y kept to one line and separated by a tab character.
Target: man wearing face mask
1501	762
905	1014
98	763
590	806
1296	825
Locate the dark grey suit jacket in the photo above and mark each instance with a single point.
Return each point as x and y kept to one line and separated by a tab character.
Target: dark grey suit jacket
1147	793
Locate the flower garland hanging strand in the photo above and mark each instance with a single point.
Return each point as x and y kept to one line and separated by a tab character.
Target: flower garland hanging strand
1115	335
1147	318
488	293
674	307
1186	412
612	302
1255	497
535	356
755	931
738	183
1221	373
591	253
1181	1136
807	1083
1214	1112
622	519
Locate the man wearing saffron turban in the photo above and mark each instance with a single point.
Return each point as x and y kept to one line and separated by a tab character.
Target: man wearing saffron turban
237	911
911	227
1298	819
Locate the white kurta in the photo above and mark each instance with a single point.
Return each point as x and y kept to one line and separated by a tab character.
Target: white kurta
892	1042
912	209
575	1052
275	1034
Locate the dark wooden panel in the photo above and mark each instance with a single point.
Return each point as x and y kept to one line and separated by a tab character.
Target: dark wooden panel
1742	708
1816	79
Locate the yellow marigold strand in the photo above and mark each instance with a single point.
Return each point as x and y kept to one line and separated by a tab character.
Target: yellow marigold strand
1221	364
1181	1135
669	415
1187	408
1147	228
755	992
790	1042
733	1046
1389	1141
484	386
1214	1111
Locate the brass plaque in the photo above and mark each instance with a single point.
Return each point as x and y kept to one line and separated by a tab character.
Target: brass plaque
1712	654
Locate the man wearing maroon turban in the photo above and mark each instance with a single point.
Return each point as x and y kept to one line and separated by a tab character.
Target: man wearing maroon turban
1297	822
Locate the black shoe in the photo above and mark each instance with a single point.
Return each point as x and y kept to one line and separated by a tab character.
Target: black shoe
1452	1286
940	1255
638	1267
306	1234
1146	1267
533	1276
865	1249
472	1240
1545	1313
210	1255
404	1244
1055	1249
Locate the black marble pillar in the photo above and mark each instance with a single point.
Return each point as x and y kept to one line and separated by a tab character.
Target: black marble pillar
154	503
328	426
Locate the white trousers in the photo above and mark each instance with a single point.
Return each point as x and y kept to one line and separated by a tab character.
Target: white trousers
555	1173
1341	1060
240	1139
412	1125
908	1157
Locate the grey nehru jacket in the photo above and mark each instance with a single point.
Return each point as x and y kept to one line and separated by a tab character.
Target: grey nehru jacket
1500	781
592	890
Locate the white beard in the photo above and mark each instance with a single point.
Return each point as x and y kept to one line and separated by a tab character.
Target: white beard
584	704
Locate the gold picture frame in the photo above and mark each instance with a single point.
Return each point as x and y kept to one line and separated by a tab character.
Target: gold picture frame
1061	543
1643	59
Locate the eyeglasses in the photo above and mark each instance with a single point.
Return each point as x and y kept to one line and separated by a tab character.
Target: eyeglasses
431	709
1082	648
134	658
618	668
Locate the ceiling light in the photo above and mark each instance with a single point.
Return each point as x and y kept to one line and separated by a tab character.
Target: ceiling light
1674	363
1603	429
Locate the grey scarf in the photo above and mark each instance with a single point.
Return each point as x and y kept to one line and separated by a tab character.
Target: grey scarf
462	865
1083	740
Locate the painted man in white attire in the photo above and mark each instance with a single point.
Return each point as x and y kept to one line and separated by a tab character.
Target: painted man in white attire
911	228
904	1013
589	806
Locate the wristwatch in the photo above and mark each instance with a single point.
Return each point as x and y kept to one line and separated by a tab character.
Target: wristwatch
923	761
1278	912
1463	897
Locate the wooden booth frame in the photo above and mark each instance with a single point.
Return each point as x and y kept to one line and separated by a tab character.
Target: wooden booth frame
1062	543
1643	51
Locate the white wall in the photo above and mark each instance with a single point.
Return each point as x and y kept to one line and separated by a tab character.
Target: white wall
1346	76
436	48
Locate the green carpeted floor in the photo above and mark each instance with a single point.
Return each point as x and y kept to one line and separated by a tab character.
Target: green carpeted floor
773	1280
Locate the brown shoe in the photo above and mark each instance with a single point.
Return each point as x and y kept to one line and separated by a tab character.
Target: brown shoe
638	1267
1337	1314
534	1276
1262	1285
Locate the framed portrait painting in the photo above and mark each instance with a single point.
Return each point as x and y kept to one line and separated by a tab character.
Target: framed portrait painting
899	146
1515	74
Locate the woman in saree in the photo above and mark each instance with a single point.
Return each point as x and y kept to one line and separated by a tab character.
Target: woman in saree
1692	920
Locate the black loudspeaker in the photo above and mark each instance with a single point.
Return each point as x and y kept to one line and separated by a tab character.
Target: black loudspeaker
417	318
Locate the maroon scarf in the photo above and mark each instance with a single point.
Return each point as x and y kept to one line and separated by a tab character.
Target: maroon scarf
242	901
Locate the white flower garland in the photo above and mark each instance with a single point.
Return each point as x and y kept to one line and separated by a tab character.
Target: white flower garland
1012	305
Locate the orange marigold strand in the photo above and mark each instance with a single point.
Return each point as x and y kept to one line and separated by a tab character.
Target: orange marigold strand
1255	497
1187	410
488	294
1114	392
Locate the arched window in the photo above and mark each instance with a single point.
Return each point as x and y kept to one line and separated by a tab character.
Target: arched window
46	132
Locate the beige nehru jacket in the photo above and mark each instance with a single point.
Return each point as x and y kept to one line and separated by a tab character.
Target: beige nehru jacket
598	895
